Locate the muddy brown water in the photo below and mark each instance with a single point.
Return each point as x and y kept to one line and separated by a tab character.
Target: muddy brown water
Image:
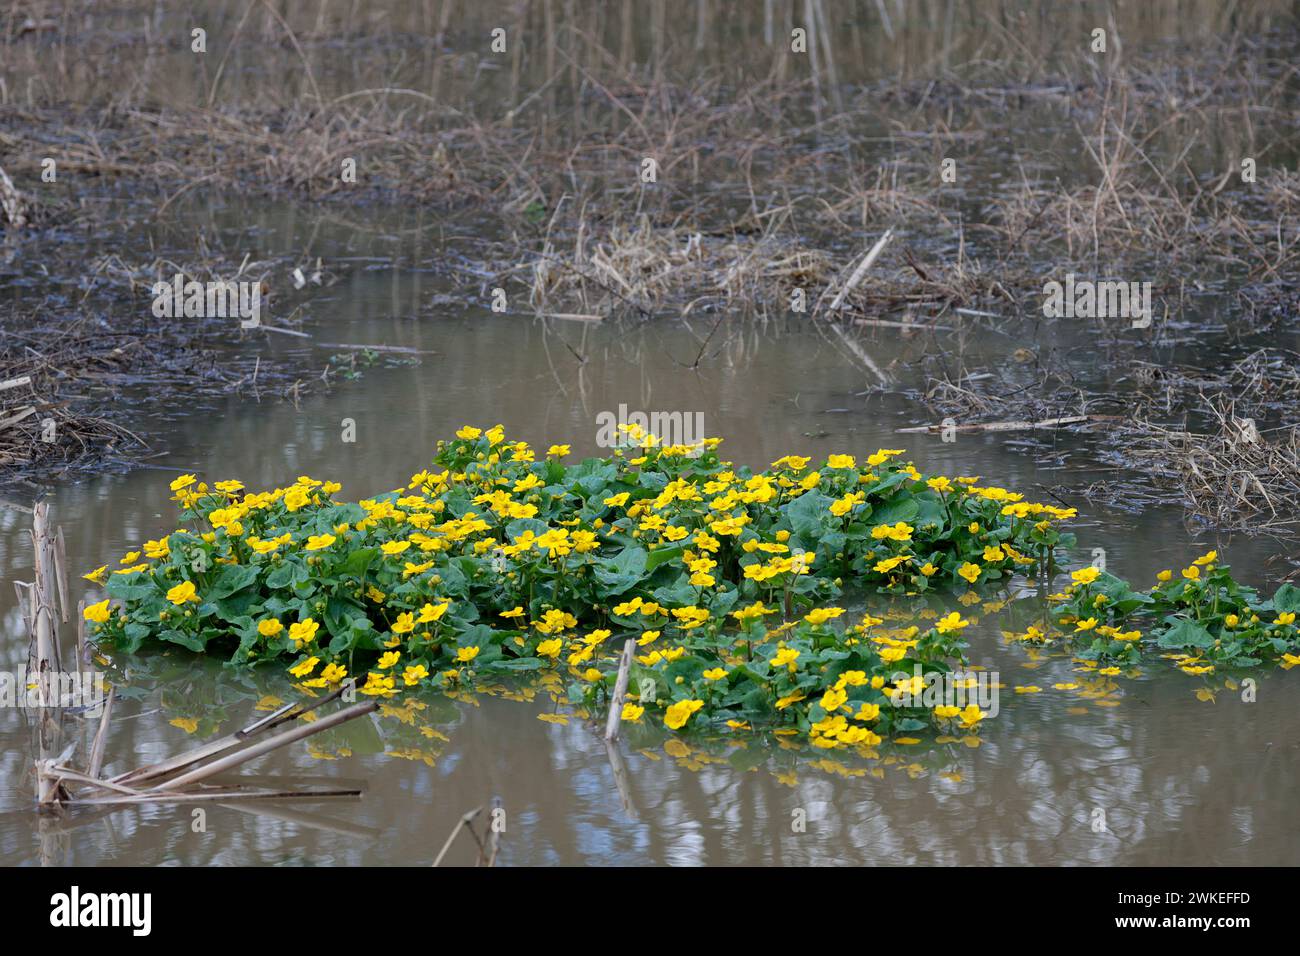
1181	778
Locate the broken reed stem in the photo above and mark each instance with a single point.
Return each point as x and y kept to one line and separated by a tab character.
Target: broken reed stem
93	780
101	737
1008	426
493	837
49	784
465	821
219	796
221	745
51	774
860	272
620	690
61	572
43	620
82	656
276	742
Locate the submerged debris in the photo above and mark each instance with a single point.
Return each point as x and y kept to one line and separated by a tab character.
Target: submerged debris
1238	476
187	778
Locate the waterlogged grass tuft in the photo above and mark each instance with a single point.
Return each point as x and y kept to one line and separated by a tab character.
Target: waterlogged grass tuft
499	564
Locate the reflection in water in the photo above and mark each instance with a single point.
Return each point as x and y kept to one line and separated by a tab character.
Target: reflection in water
1178	776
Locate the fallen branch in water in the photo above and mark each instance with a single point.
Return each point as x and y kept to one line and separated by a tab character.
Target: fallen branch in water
488	844
56	779
465	821
863	267
1012	426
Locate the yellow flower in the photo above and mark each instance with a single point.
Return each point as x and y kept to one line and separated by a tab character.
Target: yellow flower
833	700
431	613
785	657
952	622
716	673
899	531
97	576
270	627
1085	575
1192	573
303	632
677	714
378	685
867	712
388	659
182	593
1164	575
550	648
466	654
98	613
333	673
414	674
970	572
305	668
632	712
318	542
823	614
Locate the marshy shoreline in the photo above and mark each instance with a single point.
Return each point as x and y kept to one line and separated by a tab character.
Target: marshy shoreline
772	173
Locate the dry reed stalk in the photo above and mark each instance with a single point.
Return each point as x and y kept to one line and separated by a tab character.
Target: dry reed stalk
620	690
133	787
466	822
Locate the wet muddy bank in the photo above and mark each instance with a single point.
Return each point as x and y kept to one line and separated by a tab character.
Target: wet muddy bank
591	176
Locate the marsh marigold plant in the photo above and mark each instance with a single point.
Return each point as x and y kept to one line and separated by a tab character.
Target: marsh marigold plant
500	561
